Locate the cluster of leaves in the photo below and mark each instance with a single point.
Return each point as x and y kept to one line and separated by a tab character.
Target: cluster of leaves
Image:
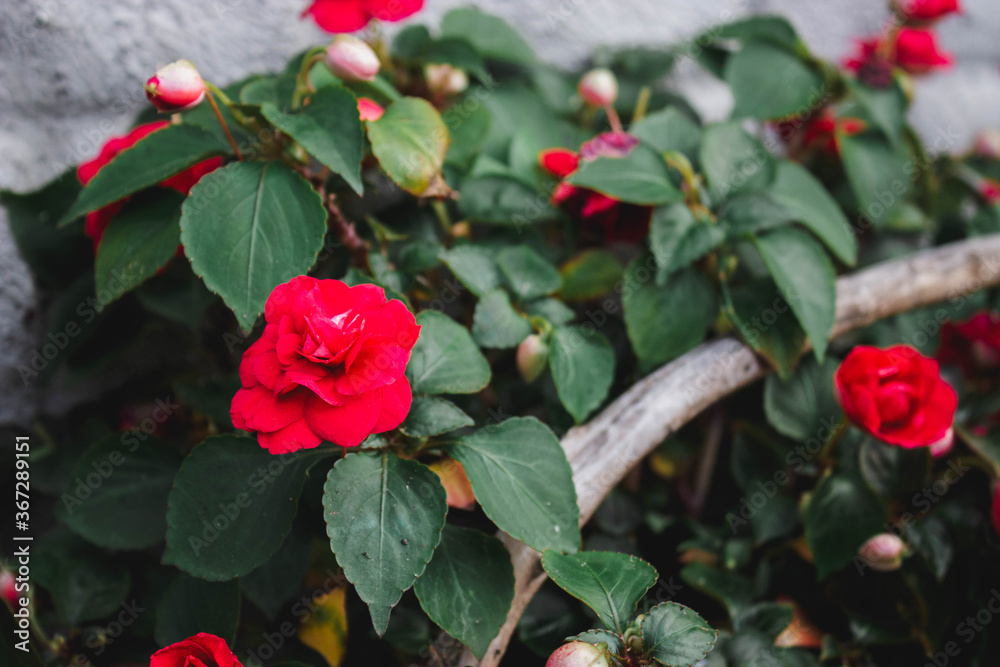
442	203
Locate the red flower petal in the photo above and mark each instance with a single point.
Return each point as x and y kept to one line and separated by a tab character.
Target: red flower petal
559	162
345	425
396	400
339	15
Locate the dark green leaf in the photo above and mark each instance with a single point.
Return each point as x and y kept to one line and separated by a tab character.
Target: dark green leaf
583	367
474	266
886	106
609	583
676	636
641	177
730	588
529	274
191	605
767	618
878	173
490	35
590	275
430	416
804	408
496	324
932	540
445	359
468	587
760	27
733	161
410	141
249	227
669	129
274	583
765	322
523	481
840	515
807	200
791	86
893	472
503	200
677	239
384	517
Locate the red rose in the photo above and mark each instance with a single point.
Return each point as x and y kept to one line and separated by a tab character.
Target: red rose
617	220
973	345
97	221
916	50
329	366
351	15
928	10
201	650
896	394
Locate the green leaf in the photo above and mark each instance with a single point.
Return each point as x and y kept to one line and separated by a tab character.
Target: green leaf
502	200
529	274
152	160
767	618
249	227
523	481
430	416
491	36
886	106
590	275
677	239
583	367
140	240
841	514
609	583
232	505
552	310
641	177
274	583
878	174
496	324
665	322
893	472
753	212
807	200
761	27
329	128
468	587
805	277
474	266
445	359
674	635
384	517
190	606
762	318
410	141
615	644
791	86
932	540
127	509
730	588
804	407
734	162
469	125
669	129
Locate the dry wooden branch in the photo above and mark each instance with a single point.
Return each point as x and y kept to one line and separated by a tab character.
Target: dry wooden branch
603	450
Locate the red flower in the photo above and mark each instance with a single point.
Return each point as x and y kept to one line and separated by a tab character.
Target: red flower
201	650
329	366
369	109
97	221
896	394
617	220
351	15
820	131
973	345
990	191
928	10
915	50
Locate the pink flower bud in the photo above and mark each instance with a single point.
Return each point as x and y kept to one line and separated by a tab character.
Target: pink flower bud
7	590
176	87
578	654
598	87
883	553
352	59
532	357
445	79
369	109
987	143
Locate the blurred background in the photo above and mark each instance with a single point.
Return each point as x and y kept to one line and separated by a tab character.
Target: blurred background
71	76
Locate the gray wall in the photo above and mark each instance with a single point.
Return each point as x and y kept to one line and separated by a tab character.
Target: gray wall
71	74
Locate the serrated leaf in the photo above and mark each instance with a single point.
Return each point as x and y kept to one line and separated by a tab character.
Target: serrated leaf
445	359
496	324
249	227
410	141
523	481
676	636
609	583
583	367
468	587
529	274
430	416
384	517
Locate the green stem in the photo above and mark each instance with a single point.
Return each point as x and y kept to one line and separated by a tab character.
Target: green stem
302	84
212	91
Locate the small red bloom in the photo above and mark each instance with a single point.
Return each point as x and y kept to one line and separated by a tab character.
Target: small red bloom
351	15
369	109
617	220
896	394
928	10
973	345
201	650
915	50
7	589
990	190
97	221
329	366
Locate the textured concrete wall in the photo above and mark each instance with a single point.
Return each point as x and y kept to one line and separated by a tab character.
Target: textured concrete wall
71	74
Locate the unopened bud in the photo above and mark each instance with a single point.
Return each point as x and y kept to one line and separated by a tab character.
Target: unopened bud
532	357
579	654
598	87
883	553
352	59
445	79
369	109
176	87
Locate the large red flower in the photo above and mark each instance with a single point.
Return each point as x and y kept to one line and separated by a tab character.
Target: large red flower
351	15
973	345
201	650
896	394
329	366
616	220
928	10
915	50
97	221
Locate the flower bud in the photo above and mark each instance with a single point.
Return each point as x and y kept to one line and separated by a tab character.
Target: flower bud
369	109
7	590
883	553
579	654
532	357
987	143
445	79
598	87
176	87
351	59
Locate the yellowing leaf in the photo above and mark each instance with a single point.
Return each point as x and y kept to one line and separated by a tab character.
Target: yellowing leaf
325	630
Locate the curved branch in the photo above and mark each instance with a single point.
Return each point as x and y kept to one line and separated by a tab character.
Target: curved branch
604	449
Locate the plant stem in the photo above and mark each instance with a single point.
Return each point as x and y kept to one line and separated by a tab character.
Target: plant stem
616	122
222	121
641	104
